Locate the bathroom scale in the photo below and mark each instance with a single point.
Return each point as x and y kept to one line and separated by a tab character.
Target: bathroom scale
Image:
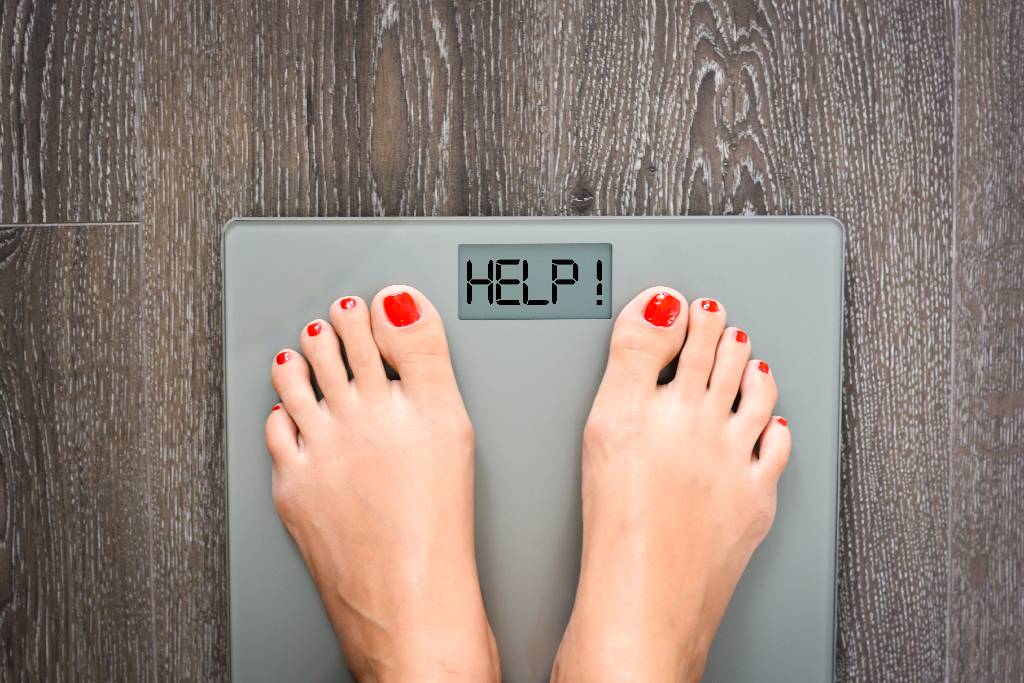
528	306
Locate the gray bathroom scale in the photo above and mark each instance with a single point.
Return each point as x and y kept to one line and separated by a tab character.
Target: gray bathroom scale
529	355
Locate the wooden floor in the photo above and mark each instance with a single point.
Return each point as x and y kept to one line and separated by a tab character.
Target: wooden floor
131	130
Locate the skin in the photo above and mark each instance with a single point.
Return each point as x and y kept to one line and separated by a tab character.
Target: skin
674	499
375	484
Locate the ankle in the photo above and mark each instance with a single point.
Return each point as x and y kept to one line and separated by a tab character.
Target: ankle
463	668
615	652
636	666
439	655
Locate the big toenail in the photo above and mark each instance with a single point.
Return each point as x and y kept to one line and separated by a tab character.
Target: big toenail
276	407
313	328
740	336
662	310
709	305
762	366
283	357
782	421
401	309
347	303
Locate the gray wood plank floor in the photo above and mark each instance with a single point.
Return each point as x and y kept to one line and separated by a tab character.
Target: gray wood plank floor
986	605
75	570
901	118
67	131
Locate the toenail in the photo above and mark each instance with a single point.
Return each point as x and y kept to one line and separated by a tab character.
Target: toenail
709	305
347	303
401	309
662	310
283	357
313	328
740	336
762	366
782	421
276	407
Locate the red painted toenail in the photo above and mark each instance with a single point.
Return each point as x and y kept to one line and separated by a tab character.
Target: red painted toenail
662	310
347	303
709	305
277	407
283	357
782	421
401	309
762	366
313	328
740	336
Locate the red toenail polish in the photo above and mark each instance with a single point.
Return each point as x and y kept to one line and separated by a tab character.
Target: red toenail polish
662	310
762	366
782	421
277	407
401	309
313	329
347	303
283	357
741	336
709	305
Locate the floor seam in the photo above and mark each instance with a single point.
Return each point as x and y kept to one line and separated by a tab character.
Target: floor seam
89	224
143	317
954	293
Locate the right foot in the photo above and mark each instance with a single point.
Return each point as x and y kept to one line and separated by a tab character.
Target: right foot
678	491
375	484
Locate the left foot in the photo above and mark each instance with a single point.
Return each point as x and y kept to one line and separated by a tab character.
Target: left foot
375	484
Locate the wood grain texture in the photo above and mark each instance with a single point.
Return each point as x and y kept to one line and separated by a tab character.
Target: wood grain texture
780	107
365	108
296	108
664	107
196	119
987	499
880	158
67	111
74	550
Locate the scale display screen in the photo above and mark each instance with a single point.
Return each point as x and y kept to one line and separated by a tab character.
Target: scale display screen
534	281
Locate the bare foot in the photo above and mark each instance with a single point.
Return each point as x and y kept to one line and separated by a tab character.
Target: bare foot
675	496
375	484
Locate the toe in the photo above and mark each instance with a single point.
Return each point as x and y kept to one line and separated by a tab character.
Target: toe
757	398
773	449
290	377
282	434
351	319
410	335
320	346
647	336
730	360
707	320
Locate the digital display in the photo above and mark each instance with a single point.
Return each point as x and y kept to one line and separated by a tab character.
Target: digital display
534	281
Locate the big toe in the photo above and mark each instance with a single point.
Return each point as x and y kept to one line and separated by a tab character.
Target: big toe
647	336
410	335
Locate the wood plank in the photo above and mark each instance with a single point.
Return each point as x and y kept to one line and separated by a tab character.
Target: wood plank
195	147
781	107
75	582
295	108
67	111
398	109
987	554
